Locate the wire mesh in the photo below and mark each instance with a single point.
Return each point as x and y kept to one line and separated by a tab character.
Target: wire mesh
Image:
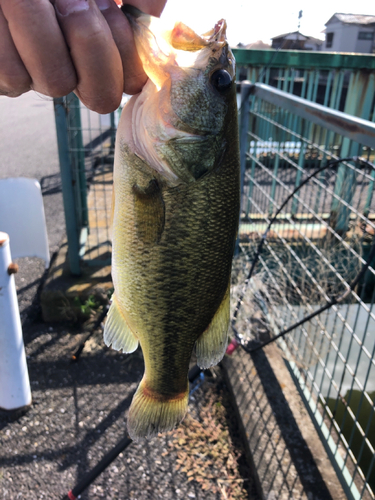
91	140
314	249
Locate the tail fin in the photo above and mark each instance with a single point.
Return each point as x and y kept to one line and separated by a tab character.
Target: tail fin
149	415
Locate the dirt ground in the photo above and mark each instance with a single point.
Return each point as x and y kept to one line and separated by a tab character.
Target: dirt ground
79	414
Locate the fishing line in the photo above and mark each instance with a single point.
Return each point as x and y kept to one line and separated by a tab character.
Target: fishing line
330	303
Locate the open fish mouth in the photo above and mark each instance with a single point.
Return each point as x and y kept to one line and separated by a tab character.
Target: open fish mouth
180	46
184	38
181	37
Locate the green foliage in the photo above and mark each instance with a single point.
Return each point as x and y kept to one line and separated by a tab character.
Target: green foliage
87	307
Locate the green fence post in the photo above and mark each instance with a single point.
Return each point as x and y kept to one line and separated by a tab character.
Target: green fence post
67	185
273	185
77	151
113	131
244	128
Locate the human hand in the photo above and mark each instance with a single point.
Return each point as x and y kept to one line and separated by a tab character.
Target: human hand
58	46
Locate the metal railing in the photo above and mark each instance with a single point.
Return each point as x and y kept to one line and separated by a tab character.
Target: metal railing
345	82
316	246
86	140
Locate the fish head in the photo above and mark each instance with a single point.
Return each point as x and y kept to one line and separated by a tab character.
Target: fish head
181	118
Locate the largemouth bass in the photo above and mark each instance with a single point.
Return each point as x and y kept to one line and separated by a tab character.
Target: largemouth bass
175	216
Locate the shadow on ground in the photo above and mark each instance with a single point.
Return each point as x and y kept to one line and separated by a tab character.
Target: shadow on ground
78	414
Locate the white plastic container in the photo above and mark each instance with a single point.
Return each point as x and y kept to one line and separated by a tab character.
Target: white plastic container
22	217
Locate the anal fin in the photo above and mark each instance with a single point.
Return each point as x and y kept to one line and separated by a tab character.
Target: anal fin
212	344
117	332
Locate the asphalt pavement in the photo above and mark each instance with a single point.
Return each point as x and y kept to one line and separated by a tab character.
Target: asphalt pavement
28	148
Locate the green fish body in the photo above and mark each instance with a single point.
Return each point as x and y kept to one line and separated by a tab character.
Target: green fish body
175	217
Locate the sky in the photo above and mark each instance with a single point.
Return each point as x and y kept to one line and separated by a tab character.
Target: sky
249	21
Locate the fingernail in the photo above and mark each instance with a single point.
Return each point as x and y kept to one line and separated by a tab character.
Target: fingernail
66	7
104	4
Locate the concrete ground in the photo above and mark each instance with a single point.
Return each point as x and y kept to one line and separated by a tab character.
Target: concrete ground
28	148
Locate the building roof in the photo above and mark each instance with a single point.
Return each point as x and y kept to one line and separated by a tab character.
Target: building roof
318	41
259	44
284	35
352	18
300	37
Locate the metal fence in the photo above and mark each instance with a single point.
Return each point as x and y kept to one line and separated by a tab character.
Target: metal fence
345	82
86	152
317	245
86	140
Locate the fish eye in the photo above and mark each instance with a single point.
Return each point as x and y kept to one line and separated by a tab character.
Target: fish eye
221	80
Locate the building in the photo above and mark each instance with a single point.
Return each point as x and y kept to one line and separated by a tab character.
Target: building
350	33
296	41
258	45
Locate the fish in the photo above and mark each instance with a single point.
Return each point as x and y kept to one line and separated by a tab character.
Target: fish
175	213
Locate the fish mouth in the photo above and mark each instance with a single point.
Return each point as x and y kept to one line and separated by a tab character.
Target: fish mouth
181	37
164	51
166	122
218	33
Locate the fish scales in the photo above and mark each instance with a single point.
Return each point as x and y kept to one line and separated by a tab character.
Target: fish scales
173	243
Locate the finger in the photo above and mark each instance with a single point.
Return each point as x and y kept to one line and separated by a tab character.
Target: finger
134	76
94	54
41	46
14	78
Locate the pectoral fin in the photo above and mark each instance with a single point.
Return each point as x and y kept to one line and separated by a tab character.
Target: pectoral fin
116	330
211	345
149	212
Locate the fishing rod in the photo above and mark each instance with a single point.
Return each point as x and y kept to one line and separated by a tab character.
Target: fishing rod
98	322
194	373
